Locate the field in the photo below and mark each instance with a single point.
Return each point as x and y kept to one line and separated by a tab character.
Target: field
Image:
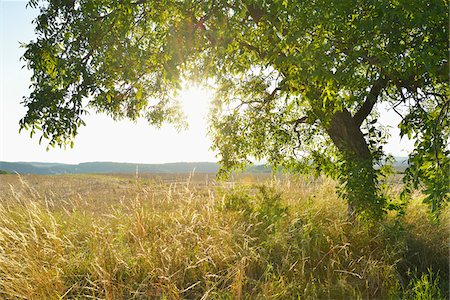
189	237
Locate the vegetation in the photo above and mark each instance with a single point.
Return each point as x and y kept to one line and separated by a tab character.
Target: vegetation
298	82
113	167
172	237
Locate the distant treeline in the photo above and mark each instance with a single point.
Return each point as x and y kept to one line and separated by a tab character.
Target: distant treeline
114	167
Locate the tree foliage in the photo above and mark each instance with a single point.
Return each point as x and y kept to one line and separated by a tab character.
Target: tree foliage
298	82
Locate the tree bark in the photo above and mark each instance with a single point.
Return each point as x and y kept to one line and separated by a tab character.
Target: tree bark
347	136
358	174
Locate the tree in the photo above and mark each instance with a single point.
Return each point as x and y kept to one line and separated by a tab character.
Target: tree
298	82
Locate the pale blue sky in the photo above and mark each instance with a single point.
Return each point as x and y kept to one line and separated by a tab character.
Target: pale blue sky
103	139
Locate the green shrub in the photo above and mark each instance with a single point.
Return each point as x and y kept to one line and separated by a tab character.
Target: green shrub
424	287
237	199
269	208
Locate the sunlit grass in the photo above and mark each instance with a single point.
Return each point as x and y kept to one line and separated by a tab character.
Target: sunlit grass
173	237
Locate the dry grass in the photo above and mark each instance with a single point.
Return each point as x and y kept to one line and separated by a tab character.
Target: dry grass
179	236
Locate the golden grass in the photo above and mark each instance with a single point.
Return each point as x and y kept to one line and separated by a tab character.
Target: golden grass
189	237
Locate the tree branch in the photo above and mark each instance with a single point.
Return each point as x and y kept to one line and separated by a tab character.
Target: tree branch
255	12
253	48
371	99
299	121
272	95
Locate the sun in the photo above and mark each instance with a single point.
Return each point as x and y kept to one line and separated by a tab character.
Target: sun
195	102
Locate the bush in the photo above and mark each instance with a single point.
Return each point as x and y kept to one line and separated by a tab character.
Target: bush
423	287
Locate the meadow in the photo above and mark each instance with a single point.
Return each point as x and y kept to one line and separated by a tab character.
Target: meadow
190	237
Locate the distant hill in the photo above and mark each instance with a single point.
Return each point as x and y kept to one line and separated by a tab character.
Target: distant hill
114	167
105	167
400	164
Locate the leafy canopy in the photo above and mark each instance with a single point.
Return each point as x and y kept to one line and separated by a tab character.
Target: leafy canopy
298	82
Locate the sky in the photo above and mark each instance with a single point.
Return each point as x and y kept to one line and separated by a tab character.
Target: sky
104	139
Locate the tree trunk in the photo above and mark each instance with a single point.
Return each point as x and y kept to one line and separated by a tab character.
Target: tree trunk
358	175
347	136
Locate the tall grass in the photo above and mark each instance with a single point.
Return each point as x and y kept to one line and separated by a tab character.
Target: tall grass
112	237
